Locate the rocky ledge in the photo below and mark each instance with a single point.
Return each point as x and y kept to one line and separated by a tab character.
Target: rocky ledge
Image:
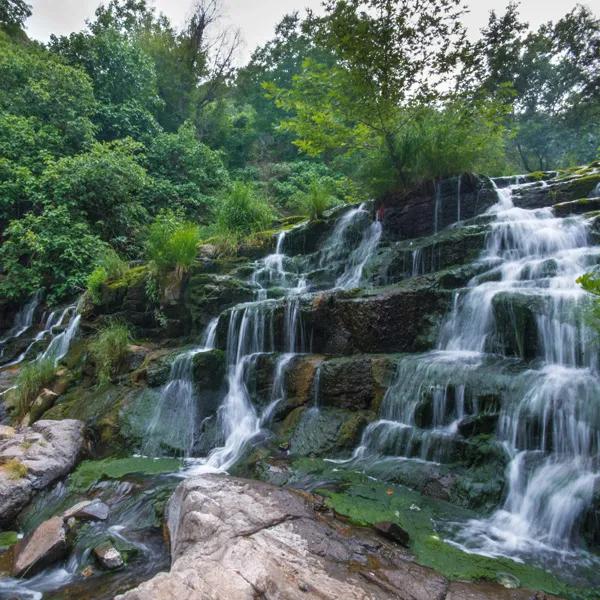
34	457
237	539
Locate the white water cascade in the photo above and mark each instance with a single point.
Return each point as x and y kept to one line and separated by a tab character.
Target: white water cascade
549	419
251	333
174	422
23	321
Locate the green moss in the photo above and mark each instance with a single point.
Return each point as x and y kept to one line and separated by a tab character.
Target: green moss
8	538
133	276
91	471
369	503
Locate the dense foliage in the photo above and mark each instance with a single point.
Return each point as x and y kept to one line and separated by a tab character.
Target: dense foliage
134	140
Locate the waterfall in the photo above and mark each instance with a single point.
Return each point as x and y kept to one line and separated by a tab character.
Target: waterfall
550	415
23	321
357	260
173	424
251	332
59	345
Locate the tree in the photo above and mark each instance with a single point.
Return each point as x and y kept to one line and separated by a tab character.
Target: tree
14	13
103	187
186	173
391	54
552	79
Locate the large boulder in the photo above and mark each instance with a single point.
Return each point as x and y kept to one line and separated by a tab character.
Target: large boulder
239	539
33	458
46	545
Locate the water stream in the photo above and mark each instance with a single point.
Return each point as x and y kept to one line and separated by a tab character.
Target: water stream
549	421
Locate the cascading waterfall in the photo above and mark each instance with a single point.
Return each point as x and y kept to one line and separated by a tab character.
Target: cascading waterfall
174	422
357	260
23	321
550	415
59	345
251	333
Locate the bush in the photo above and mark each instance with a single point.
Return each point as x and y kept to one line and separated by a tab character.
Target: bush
590	282
243	212
108	349
31	379
172	243
110	266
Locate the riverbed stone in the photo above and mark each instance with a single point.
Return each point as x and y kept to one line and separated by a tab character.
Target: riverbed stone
108	556
47	451
45	546
240	539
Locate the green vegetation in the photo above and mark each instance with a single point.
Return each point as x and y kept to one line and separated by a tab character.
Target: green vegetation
317	199
172	243
8	538
90	472
14	469
590	282
110	267
32	378
138	137
242	212
108	350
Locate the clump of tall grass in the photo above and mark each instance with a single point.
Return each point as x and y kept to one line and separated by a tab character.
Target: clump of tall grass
32	378
110	266
172	243
316	200
15	469
108	350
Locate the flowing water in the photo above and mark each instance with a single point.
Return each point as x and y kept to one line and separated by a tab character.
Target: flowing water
252	331
549	420
23	322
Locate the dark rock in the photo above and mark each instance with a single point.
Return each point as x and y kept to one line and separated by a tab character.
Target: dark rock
484	423
576	207
413	215
393	531
45	546
209	369
395	320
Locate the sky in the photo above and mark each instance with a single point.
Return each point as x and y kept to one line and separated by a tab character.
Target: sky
256	19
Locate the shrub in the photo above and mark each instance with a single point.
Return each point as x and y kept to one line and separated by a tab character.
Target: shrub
31	379
49	251
172	243
243	212
15	469
108	350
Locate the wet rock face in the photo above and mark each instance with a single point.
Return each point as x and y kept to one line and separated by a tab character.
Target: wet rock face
34	457
108	557
234	538
397	320
414	215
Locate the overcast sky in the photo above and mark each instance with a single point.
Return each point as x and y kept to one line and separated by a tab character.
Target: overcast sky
257	18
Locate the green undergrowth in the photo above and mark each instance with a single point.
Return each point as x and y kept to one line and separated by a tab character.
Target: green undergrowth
365	501
90	472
